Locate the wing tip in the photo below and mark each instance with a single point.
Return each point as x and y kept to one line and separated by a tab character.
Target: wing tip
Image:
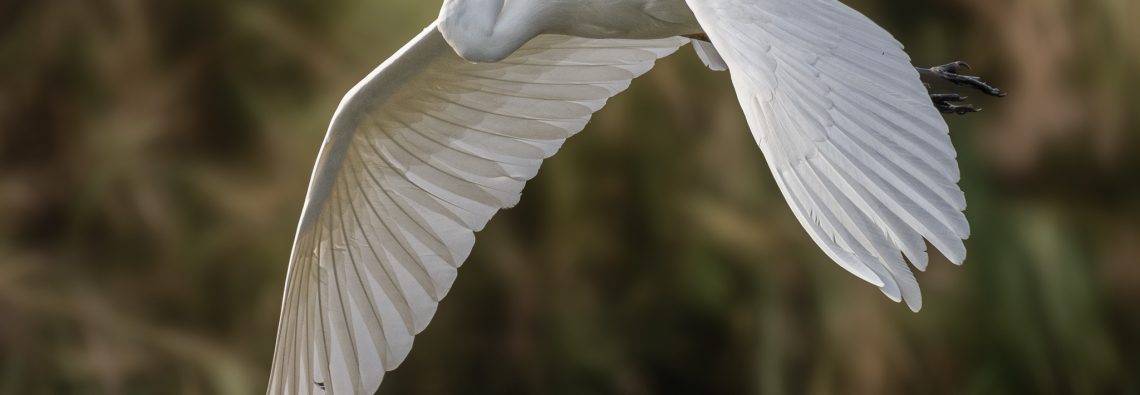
915	304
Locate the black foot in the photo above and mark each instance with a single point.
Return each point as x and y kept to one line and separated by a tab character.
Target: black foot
949	72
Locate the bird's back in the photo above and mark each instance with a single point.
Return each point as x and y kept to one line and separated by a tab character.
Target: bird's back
629	19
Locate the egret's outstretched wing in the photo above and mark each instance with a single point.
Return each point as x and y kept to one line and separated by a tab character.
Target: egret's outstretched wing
849	131
418	157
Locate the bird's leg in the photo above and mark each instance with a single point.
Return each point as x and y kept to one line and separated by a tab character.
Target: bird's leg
950	72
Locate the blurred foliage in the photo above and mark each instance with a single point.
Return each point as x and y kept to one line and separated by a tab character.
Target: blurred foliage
154	155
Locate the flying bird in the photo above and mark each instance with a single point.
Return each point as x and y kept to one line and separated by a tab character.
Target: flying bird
421	153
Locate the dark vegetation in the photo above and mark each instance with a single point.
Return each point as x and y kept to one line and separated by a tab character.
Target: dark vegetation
154	155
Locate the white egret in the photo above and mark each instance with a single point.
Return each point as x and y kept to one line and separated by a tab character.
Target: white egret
422	152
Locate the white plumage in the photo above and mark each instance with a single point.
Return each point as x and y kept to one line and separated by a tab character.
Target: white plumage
423	151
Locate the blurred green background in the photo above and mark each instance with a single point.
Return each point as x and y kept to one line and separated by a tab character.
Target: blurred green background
154	157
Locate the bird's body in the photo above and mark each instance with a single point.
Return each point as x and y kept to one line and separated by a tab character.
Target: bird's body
422	152
629	19
479	33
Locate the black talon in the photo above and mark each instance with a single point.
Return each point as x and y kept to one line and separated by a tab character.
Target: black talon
952	68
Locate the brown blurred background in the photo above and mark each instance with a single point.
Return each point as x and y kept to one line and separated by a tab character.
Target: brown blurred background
154	156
